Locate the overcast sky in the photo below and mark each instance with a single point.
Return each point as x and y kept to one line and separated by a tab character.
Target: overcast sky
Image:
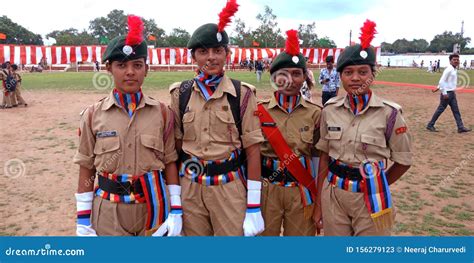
395	19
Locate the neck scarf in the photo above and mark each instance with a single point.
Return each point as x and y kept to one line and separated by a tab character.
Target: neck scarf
359	102
208	83
288	103
128	101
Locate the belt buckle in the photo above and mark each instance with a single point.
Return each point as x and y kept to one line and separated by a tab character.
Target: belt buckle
127	188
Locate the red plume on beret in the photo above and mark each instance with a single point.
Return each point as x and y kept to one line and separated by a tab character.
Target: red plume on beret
292	45
226	14
135	31
367	33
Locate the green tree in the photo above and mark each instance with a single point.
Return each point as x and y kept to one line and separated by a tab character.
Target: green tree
115	24
308	36
151	29
446	41
386	47
418	45
267	33
401	46
244	37
178	38
72	36
326	42
16	34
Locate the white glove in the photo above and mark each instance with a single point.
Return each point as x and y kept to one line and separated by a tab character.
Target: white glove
84	209
174	223
253	223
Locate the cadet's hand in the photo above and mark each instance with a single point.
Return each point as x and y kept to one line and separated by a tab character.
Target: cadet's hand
318	218
174	223
253	223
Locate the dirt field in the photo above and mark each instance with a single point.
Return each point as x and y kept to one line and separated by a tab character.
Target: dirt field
37	198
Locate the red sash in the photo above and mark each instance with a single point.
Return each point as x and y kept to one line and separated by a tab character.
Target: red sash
289	159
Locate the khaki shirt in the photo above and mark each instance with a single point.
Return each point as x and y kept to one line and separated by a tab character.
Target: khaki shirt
133	146
300	128
343	134
210	132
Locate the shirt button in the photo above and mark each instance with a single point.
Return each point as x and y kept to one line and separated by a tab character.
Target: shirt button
353	124
129	167
205	149
205	129
129	145
350	141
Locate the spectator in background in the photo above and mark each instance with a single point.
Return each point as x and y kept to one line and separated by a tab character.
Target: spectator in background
465	64
438	65
330	80
259	70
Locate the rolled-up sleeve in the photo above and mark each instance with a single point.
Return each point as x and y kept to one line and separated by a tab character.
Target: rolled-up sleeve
400	142
251	131
85	152
170	149
323	144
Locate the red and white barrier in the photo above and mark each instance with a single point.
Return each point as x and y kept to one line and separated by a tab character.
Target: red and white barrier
60	55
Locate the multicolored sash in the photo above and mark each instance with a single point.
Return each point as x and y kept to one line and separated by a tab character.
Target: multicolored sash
275	165
377	193
154	195
374	186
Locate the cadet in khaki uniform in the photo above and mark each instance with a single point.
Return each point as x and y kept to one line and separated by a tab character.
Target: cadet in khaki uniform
359	132
7	95
128	140
215	201
17	99
285	201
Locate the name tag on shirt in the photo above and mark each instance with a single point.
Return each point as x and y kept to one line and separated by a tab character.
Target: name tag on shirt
105	134
334	128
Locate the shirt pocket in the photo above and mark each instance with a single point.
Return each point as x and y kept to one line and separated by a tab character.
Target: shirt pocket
376	146
335	143
189	126
151	153
223	127
107	154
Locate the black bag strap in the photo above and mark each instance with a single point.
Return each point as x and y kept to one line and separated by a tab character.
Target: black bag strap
185	90
234	103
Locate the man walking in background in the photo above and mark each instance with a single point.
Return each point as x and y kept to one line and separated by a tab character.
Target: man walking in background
447	85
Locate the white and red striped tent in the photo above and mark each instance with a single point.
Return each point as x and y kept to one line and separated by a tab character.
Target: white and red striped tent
61	55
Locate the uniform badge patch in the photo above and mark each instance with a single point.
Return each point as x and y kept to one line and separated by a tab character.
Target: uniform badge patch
334	128
401	130
105	134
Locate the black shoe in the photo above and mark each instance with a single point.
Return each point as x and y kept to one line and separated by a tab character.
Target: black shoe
464	129
431	129
16	105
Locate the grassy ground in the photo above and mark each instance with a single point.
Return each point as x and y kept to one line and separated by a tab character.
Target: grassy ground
162	80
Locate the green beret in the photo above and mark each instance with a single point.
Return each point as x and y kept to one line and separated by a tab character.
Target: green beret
285	60
355	55
115	51
206	37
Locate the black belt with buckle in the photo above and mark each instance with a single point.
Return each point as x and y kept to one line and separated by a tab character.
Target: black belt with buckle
214	169
120	188
277	176
345	172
